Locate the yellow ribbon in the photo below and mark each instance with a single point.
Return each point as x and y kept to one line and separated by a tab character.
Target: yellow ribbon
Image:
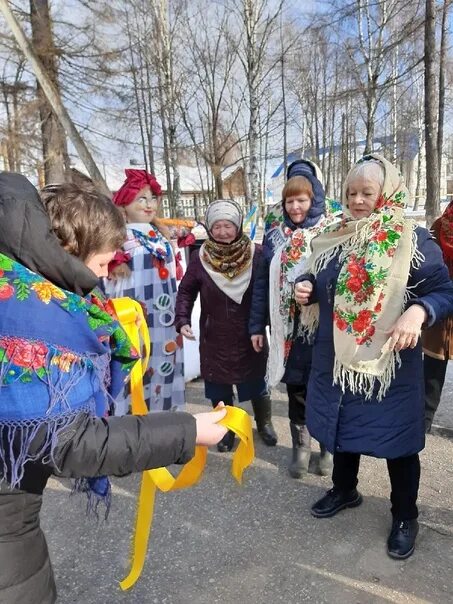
236	419
132	320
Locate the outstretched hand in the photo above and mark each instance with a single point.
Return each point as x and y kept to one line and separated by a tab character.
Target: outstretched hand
209	432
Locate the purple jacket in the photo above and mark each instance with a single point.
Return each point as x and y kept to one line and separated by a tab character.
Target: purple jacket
226	352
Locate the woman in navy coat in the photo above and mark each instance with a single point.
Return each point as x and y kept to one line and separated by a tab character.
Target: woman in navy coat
289	227
378	279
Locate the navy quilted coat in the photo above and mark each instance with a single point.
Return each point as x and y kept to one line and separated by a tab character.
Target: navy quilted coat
393	427
298	365
226	351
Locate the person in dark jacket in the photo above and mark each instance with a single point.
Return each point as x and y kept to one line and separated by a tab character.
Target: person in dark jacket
377	280
222	272
63	358
437	341
289	227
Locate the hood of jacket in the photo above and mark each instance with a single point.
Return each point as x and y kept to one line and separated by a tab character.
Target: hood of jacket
26	236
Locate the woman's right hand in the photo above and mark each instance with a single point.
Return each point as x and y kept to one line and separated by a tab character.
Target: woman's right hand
209	432
303	291
257	342
187	332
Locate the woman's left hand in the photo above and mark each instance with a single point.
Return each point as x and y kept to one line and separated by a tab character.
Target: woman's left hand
406	331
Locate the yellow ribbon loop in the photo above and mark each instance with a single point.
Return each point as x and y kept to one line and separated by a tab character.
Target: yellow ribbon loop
132	320
161	479
239	422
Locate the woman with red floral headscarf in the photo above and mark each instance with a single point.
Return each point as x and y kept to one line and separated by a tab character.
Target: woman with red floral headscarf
151	279
438	340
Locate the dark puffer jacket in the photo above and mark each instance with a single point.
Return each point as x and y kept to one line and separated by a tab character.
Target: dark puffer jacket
226	352
393	427
297	370
88	447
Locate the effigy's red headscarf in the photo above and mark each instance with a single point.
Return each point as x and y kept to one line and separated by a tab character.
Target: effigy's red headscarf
136	180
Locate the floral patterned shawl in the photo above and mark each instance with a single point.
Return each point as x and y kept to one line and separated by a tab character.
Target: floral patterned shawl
229	265
291	247
61	355
376	254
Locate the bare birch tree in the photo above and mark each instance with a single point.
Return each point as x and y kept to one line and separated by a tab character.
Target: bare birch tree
432	205
165	71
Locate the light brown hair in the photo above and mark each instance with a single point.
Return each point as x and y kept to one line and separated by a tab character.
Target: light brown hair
297	185
85	221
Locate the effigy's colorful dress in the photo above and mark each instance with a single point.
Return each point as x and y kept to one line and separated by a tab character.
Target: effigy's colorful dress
153	283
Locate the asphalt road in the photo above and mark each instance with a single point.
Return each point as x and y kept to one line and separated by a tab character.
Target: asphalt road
256	544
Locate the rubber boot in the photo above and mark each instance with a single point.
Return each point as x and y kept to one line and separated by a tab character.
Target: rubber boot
325	462
300	458
262	409
227	442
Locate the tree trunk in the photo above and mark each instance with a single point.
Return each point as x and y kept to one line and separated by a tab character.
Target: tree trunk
54	148
54	98
442	61
370	114
432	205
253	68
138	106
165	67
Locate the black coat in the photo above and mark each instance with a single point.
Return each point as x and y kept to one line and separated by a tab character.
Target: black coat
88	447
226	351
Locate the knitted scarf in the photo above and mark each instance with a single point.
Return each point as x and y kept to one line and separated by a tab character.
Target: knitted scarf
291	246
61	356
230	259
229	265
376	254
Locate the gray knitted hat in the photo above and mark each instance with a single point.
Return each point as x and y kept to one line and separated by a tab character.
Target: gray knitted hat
223	209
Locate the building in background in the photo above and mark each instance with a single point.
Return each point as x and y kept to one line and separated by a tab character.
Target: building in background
411	165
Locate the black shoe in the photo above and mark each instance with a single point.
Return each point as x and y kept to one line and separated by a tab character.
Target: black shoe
268	435
334	501
227	442
401	541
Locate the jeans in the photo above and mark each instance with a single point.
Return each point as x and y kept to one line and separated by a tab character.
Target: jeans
404	475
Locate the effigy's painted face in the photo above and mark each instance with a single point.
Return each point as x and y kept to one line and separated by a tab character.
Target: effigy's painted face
143	208
224	231
362	195
99	263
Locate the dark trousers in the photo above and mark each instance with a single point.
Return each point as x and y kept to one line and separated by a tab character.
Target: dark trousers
296	403
434	371
404	475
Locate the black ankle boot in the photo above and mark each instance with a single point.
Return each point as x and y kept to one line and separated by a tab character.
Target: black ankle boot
300	457
262	410
227	442
401	541
334	501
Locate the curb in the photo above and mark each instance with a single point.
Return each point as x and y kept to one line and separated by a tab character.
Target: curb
445	431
